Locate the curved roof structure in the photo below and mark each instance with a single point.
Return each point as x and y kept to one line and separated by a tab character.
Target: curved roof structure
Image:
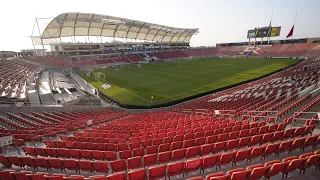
83	24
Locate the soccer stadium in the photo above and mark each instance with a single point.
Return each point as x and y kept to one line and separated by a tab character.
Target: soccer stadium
137	101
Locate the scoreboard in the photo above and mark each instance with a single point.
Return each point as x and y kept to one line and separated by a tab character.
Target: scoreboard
264	32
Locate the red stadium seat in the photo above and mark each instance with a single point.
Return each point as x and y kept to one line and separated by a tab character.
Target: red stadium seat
139	174
176	145
138	152
257	171
312	160
240	155
100	166
110	155
243	142
208	161
70	164
98	177
218	147
28	161
218	176
275	168
85	165
205	149
152	149
86	154
74	153
35	176
164	157
188	143
63	153
175	168
293	165
55	163
224	158
134	145
284	146
125	154
255	152
231	144
134	162
41	162
16	161
192	152
238	174
19	175
5	175
123	147
164	147
270	149
178	154
192	165
118	165
150	159
117	176
98	155
157	172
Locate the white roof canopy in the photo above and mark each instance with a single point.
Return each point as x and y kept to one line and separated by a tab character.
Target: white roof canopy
83	24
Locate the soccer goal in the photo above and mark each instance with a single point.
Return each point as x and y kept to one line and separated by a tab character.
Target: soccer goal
99	76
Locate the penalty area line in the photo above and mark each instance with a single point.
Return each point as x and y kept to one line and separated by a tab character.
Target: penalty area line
128	90
135	94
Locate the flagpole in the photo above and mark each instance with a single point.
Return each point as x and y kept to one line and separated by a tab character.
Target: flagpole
271	15
270	26
294	23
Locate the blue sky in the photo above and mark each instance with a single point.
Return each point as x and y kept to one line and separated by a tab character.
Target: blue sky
219	20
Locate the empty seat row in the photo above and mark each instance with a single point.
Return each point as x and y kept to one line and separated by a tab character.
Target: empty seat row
176	155
215	130
169	144
270	169
257	171
176	150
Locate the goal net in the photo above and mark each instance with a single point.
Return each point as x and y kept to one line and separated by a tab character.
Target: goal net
99	76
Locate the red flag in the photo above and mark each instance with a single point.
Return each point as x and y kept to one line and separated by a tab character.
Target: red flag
291	32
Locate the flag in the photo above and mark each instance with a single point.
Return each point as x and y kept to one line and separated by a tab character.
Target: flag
291	32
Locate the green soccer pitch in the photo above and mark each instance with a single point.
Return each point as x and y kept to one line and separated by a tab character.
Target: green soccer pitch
158	83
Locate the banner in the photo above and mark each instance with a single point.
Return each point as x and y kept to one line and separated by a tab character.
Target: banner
6	140
251	33
264	32
275	31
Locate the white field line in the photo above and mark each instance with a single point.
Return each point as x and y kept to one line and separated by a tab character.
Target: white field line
161	89
183	92
143	84
192	90
128	91
135	94
154	82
